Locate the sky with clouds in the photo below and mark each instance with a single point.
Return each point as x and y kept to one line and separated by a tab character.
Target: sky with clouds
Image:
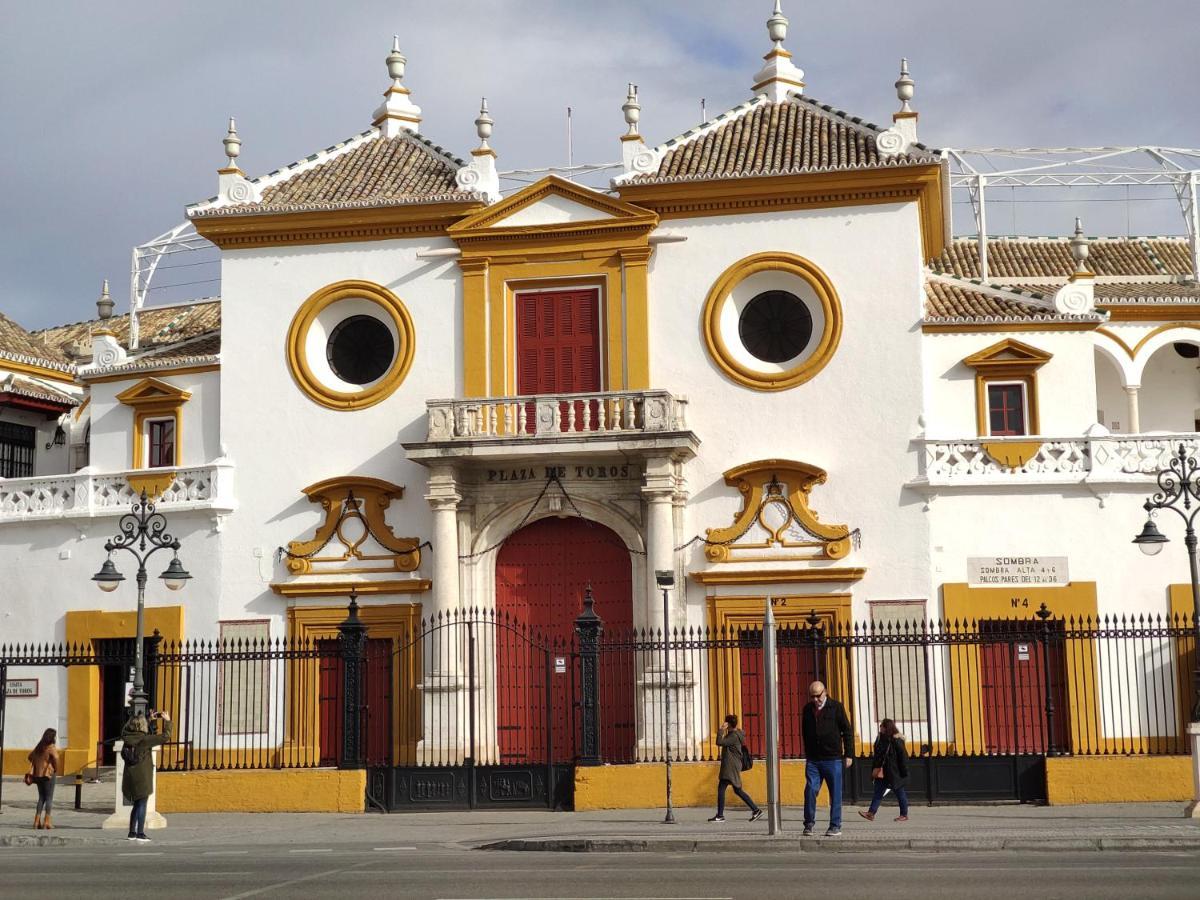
113	114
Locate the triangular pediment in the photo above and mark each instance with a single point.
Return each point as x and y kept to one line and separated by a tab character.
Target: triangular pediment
152	390
1008	352
553	204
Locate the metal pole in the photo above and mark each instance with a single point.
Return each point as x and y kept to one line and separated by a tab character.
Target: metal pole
981	219
1189	541
771	705
670	817
138	698
3	703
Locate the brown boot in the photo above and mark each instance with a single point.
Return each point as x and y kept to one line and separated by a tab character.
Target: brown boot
37	821
46	824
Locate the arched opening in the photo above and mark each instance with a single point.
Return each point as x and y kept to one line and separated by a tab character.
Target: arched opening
542	572
1170	391
1112	404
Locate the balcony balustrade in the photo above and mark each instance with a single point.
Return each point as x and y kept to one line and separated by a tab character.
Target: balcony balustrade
88	494
1111	459
561	415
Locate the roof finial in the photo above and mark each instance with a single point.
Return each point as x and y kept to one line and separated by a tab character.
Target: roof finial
632	110
104	305
233	145
398	113
396	61
1080	250
779	77
904	88
777	26
483	125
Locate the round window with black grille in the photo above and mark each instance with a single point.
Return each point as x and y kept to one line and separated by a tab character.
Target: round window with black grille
775	326
360	349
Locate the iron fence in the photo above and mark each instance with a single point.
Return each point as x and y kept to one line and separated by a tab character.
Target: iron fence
478	688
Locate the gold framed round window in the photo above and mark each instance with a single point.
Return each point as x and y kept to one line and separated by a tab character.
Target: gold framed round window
772	321
350	345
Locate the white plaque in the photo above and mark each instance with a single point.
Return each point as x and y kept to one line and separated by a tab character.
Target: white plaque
1017	571
21	687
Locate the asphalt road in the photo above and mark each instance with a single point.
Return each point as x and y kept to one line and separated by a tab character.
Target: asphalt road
436	873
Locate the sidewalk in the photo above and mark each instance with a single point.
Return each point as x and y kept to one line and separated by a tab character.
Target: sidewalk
1145	826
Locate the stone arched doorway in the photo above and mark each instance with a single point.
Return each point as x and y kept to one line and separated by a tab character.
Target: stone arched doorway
542	572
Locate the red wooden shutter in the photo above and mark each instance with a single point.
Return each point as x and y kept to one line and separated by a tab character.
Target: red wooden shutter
558	349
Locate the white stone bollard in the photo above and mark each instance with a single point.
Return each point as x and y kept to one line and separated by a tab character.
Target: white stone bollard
1193	808
120	816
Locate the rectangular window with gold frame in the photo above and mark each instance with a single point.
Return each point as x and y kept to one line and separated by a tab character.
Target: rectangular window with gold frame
1007	404
160	443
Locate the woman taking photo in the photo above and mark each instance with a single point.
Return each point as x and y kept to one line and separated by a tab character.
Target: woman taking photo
889	769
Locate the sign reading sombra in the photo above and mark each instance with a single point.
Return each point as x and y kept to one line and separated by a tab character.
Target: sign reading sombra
1004	571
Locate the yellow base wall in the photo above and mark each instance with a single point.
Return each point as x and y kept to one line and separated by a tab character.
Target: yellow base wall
1118	779
644	786
272	790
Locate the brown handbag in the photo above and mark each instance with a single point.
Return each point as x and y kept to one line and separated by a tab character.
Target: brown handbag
28	778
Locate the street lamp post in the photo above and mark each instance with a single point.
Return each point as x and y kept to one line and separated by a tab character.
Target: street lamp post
143	532
1179	491
666	580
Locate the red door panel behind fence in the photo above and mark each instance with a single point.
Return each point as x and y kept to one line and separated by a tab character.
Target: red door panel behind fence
1013	681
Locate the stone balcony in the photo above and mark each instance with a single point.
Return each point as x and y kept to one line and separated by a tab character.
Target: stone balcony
1091	460
87	494
649	422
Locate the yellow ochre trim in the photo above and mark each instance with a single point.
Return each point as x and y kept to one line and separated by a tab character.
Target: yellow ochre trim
963	607
1151	313
642	785
833	575
141	373
83	682
818	190
1116	779
153	399
1160	329
1007	361
153	482
1011	455
343	588
40	371
1005	327
773	261
270	790
82	406
306	315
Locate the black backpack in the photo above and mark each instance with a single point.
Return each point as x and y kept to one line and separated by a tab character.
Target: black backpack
747	759
131	755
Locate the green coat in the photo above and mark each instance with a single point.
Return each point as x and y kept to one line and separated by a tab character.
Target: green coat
731	756
138	781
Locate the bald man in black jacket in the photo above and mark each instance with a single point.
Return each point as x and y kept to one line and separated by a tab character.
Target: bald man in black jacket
828	750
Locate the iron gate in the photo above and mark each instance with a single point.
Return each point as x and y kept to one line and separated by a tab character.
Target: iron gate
479	713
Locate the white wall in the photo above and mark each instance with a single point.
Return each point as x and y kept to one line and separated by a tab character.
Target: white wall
1170	395
1111	398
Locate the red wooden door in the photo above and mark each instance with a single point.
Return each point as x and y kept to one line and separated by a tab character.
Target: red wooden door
377	695
542	572
796	670
558	350
1012	677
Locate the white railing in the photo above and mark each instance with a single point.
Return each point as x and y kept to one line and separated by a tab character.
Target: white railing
85	493
579	415
1111	458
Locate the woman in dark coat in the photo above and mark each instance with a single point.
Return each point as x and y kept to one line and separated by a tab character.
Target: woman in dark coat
137	784
731	740
889	766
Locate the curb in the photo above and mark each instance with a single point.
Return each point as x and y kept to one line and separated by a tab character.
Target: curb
33	840
798	845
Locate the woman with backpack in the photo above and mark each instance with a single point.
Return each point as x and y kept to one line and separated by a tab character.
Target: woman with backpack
734	756
889	769
44	765
137	784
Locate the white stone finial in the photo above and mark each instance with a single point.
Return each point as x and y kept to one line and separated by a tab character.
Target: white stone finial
483	125
1080	250
104	304
233	145
632	110
777	26
779	77
904	88
397	113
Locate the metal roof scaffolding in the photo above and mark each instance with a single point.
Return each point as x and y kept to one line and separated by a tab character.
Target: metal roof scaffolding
1077	167
148	259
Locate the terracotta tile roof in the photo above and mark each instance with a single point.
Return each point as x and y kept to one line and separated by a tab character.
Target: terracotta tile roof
944	300
19	344
1017	258
156	326
1129	291
766	138
374	171
206	345
27	387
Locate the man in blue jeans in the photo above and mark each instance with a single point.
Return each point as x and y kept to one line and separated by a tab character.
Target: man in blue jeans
828	750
